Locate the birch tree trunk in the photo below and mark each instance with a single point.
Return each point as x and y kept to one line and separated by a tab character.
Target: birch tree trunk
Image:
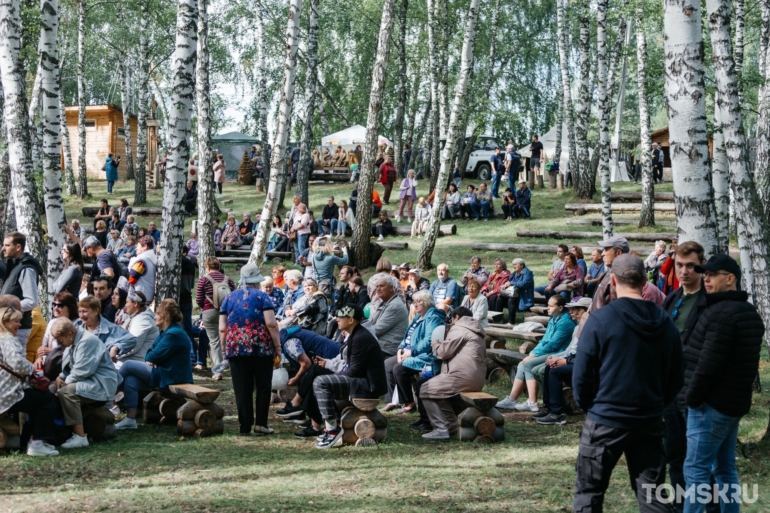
559	122
566	90
604	116
279	156
720	181
305	166
582	178
466	67
125	100
69	174
413	107
626	38
738	47
81	72
143	92
753	233
262	86
163	136
398	125
647	216
366	181
322	116
182	92
435	119
17	128
762	167
52	191
686	105
441	18
206	171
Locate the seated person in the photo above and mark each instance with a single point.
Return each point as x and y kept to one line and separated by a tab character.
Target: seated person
166	363
465	203
497	280
100	233
78	232
482	205
191	199
509	202
88	376
556	339
570	276
476	303
231	236
103	289
193	248
246	229
462	356
116	340
141	322
131	225
275	293
416	282
524	282
17	396
557	369
313	312
414	355
444	290
115	223
391	318
422	214
475	271
294	291
383	226
376	204
595	273
114	242
523	206
128	251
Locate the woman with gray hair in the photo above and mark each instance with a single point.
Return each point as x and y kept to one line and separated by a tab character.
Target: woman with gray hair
656	259
414	355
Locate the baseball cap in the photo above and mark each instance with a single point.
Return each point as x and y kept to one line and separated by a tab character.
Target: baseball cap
405	265
351	310
91	242
628	266
616	242
579	302
521	180
414	271
720	262
250	274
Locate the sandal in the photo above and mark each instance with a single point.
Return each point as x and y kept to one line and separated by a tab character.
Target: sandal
389	407
407	409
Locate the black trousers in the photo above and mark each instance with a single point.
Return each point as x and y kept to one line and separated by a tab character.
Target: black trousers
283	245
600	449
41	408
465	209
657	173
553	386
249	372
513	305
496	302
401	377
507	210
305	391
420	406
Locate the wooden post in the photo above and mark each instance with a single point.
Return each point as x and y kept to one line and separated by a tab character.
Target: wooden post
560	181
552	179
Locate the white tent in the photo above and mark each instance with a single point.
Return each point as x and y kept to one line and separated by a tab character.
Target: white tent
351	137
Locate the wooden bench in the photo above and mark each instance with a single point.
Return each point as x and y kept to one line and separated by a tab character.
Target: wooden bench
444	229
10	432
619	207
135	211
190	407
480	422
494	316
98	423
362	423
540	310
502	360
498	334
555	234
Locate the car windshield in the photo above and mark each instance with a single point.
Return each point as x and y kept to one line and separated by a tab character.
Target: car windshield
489	144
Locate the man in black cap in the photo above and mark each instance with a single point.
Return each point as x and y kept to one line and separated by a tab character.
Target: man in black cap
627	368
721	361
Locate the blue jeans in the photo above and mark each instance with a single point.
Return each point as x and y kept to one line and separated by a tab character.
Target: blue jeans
496	184
512	180
480	208
136	377
547	294
110	183
331	227
300	244
711	440
342	227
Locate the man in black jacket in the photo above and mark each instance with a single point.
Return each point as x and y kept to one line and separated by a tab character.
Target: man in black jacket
628	367
721	361
364	375
23	276
330	216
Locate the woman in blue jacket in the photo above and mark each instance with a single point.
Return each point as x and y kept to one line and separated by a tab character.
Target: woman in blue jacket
524	281
557	337
111	170
415	354
166	363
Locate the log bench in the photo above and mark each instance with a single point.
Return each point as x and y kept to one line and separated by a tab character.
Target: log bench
362	423
617	222
619	207
479	421
190	407
444	229
542	248
393	245
10	432
555	234
494	316
502	360
98	423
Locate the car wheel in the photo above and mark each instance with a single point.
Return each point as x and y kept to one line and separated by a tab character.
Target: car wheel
484	172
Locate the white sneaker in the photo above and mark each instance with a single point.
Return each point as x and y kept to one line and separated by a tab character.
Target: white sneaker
398	219
75	442
43	449
506	404
409	220
437	434
126	424
380	238
528	406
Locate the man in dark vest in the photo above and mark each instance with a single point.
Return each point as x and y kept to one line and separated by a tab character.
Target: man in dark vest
22	276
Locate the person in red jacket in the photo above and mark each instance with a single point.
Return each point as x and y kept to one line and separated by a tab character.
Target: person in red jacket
669	282
387	178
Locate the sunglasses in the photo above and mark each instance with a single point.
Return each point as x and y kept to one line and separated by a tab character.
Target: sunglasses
10	310
56	305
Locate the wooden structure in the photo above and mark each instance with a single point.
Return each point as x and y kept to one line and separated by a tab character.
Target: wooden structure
619	207
362	423
104	135
98	423
190	407
595	221
244	171
480	422
542	248
551	234
153	177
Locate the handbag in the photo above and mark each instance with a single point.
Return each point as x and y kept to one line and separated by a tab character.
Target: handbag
35	380
510	292
564	287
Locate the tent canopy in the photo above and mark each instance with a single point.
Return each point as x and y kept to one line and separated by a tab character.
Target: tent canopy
350	137
232	145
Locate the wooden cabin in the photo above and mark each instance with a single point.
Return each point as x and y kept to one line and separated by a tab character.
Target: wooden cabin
104	135
661	137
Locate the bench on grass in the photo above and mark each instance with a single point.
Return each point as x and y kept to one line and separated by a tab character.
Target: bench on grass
502	360
497	334
362	423
479	421
494	316
190	407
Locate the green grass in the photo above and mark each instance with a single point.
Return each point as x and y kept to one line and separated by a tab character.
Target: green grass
532	471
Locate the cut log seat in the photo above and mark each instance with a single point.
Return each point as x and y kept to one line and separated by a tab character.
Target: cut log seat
195	392
554	234
444	229
616	222
509	334
619	207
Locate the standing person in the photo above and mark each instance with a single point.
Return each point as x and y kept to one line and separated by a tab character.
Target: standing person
595	273
104	262
497	171
249	330
219	173
536	149
143	267
110	169
387	178
185	292
342	221
512	165
407	196
721	361
301	229
657	163
624	389
330	217
407	159
191	199
72	275
212	289
192	173
23	273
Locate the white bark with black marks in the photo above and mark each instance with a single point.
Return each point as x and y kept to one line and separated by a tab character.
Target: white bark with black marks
604	116
81	74
686	105
182	91
582	177
262	85
279	156
433	71
398	125
720	180
205	168
738	50
305	165
363	226
566	90
762	166
466	67
647	216
125	100
69	174
143	91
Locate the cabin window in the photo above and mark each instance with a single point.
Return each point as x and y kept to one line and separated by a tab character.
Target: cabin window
90	124
122	132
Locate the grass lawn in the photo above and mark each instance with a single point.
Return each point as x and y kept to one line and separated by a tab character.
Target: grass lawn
533	470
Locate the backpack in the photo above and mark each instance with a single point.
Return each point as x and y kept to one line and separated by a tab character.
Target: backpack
220	290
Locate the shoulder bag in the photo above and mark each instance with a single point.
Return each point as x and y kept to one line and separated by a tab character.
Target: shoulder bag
35	380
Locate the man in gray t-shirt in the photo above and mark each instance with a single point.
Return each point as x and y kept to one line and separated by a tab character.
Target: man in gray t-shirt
561	253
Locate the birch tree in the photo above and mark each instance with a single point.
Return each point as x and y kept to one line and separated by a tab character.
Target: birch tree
686	105
738	47
435	118
69	174
566	91
647	216
366	181
182	92
604	116
206	172
143	91
262	85
398	124
81	74
466	66
305	166
125	101
48	48
720	181
17	128
584	186
762	167
279	156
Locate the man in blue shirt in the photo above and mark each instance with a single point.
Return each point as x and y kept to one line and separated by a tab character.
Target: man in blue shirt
595	273
523	200
497	172
153	232
444	289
